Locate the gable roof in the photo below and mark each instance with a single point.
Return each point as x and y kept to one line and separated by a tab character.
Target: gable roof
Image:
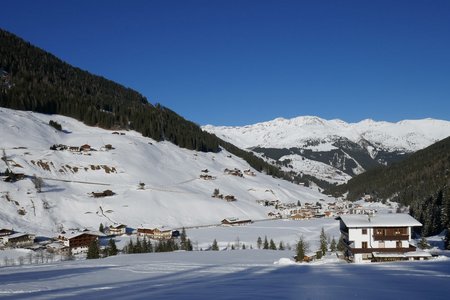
381	220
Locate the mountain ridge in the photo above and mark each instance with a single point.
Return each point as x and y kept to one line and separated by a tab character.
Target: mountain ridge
311	145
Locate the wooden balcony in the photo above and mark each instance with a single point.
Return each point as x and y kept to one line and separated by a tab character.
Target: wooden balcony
383	250
391	237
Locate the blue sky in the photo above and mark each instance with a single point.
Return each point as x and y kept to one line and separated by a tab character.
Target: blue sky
239	62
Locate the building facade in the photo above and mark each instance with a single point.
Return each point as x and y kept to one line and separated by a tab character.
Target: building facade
378	237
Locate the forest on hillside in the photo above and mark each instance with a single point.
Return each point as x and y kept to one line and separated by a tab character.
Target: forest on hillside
421	182
35	80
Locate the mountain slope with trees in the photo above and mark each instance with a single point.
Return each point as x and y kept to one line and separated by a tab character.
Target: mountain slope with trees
421	181
35	80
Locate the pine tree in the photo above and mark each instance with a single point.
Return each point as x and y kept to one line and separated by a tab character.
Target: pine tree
243	246
112	248
423	243
323	242
101	228
281	246
272	245
259	242
130	247
341	244
188	245
302	248
333	245
214	246
266	243
138	246
93	250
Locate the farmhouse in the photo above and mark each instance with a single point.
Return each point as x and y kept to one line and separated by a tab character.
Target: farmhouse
117	229
235	221
105	193
78	242
378	237
18	240
4	232
155	233
85	148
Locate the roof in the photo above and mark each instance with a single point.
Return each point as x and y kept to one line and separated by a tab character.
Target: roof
117	226
382	220
78	233
17	235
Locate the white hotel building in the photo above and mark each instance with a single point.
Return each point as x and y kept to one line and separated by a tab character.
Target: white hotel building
382	237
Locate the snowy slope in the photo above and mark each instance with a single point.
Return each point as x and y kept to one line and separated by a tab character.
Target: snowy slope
335	145
174	195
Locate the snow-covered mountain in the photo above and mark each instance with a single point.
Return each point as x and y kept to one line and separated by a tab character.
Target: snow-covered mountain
334	150
173	195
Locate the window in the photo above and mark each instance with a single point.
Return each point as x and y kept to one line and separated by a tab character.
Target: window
364	245
364	231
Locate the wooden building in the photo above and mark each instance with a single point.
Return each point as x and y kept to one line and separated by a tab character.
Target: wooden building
155	233
4	232
235	222
18	240
78	242
117	229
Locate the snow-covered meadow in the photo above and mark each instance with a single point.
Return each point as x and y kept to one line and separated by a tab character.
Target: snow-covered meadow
238	274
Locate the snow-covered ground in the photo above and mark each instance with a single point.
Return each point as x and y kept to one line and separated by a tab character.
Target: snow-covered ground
174	194
238	274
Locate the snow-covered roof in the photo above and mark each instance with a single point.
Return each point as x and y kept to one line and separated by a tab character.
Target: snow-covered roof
383	220
78	233
17	235
418	254
117	226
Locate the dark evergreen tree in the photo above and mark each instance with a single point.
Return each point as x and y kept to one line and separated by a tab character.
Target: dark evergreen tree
101	228
341	244
281	246
302	248
272	245
266	243
130	247
423	243
112	248
333	246
215	246
259	242
188	246
138	246
323	242
93	250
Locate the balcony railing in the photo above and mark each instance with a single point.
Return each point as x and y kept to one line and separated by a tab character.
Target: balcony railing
391	237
